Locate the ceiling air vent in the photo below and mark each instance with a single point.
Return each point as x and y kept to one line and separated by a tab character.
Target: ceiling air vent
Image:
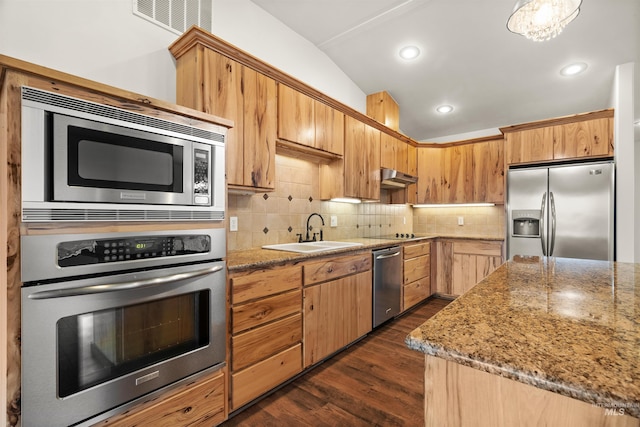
176	15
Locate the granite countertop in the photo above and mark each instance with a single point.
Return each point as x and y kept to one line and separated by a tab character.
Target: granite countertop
259	258
564	325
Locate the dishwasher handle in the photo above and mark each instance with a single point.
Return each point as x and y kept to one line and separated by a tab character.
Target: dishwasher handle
388	256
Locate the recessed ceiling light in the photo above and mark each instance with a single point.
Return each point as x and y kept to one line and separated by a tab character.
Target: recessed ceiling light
409	52
573	69
444	109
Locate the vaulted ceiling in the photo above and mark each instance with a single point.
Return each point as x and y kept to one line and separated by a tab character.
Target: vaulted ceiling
469	59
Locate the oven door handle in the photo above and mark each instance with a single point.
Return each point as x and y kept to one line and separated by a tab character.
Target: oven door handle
123	286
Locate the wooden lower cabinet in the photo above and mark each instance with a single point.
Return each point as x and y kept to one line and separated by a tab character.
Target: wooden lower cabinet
266	330
416	274
336	313
472	262
337	304
462	263
197	403
261	377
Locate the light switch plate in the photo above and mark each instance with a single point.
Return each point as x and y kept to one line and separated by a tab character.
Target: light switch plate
460	220
334	221
233	223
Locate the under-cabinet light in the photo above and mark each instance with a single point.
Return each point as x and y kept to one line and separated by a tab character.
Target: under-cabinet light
455	205
345	200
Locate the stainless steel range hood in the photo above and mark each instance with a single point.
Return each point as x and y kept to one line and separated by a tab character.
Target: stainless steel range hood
391	178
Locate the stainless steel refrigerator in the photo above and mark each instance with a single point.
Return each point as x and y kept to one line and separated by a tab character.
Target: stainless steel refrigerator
562	211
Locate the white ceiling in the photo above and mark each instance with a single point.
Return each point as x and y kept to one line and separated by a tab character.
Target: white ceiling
469	59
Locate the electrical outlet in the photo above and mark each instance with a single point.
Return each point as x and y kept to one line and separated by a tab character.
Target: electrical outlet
404	220
233	223
334	221
460	220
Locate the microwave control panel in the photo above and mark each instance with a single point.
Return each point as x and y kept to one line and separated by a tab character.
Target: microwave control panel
201	163
86	252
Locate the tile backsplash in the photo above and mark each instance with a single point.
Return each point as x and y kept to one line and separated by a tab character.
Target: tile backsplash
278	216
477	221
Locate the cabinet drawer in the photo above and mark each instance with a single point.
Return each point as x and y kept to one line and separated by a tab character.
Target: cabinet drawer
262	283
199	403
415	292
257	344
478	248
412	251
328	269
256	313
262	377
417	268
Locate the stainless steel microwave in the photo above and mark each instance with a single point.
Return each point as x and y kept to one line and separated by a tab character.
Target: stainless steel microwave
84	161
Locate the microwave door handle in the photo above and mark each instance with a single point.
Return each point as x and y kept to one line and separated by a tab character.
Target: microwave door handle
123	286
542	231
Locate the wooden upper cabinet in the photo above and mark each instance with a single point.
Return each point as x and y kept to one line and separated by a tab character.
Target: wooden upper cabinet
383	108
590	138
303	120
488	171
588	135
215	88
260	112
458	174
529	146
296	119
211	82
430	175
394	153
329	129
464	173
361	160
412	166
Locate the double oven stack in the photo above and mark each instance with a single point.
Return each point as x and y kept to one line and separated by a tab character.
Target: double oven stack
109	318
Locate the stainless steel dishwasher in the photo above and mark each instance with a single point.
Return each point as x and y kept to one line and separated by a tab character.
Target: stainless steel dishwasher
387	283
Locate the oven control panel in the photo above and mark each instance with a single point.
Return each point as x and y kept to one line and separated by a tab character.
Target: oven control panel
130	248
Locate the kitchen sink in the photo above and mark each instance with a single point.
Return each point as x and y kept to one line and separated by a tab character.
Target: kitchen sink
308	247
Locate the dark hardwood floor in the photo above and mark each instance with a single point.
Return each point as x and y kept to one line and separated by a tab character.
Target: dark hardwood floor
378	381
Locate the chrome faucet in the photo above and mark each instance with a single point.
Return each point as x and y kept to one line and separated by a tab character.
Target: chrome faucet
307	238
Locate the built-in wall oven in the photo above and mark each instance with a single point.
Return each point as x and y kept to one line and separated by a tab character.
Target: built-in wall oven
109	318
84	161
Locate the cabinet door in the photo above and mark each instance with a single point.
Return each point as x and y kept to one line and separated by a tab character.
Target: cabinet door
354	149
371	188
296	121
488	171
458	173
589	138
260	122
329	131
361	160
222	96
472	262
388	151
529	145
412	168
336	313
430	185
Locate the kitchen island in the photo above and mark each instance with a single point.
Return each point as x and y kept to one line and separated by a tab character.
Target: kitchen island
540	341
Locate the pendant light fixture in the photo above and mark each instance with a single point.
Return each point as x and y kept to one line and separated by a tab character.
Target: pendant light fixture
541	20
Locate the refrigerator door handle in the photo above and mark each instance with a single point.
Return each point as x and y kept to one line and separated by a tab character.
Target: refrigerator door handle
542	232
553	223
